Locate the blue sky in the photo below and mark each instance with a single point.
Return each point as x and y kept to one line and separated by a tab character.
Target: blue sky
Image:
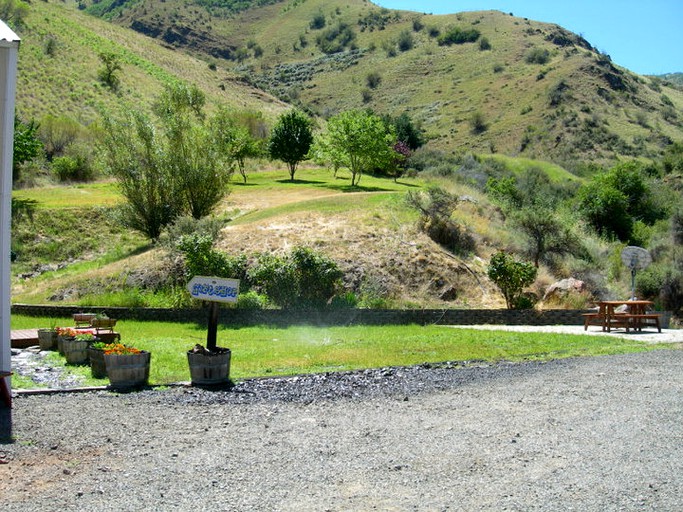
645	36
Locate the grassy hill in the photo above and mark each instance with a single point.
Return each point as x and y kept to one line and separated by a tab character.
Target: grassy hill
59	61
74	252
521	88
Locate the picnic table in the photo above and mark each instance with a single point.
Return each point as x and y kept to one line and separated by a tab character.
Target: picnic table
634	316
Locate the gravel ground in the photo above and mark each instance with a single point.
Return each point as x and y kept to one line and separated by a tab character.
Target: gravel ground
596	434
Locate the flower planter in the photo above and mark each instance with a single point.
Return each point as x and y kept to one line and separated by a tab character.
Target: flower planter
97	364
209	368
75	351
127	370
60	343
83	318
47	339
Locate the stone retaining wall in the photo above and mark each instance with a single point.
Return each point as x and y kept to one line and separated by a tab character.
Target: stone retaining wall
278	317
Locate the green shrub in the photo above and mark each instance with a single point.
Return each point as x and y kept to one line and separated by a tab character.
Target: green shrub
251	300
373	79
405	41
301	279
511	277
484	44
457	35
318	21
72	168
537	56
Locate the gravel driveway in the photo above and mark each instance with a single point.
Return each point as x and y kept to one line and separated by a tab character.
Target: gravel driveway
597	434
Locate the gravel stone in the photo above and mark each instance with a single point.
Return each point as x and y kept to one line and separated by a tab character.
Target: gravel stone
595	434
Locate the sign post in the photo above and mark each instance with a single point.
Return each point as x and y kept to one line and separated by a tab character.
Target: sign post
214	290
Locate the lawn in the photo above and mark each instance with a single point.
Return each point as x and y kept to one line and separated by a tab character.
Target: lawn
266	351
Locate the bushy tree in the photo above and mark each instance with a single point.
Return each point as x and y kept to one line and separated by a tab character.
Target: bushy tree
510	276
545	234
407	131
108	73
613	201
135	156
168	170
291	139
27	145
58	133
240	135
359	141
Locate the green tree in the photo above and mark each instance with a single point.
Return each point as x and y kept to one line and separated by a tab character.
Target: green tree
407	130
291	139
14	12
544	232
613	201
136	157
510	276
108	74
167	170
359	141
241	135
27	145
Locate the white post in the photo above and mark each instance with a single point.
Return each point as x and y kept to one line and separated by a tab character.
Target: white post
9	50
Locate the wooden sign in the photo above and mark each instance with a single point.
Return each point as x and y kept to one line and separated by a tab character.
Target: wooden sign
214	289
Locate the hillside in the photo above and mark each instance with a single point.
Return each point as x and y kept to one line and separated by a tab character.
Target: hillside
370	233
521	88
59	61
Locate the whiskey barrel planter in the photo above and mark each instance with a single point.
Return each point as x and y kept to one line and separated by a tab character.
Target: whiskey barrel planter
209	368
47	339
60	343
75	351
97	364
127	370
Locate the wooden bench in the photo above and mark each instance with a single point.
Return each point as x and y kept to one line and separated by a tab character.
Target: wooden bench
593	319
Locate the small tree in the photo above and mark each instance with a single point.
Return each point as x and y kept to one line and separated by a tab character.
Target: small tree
291	139
27	145
166	171
545	233
510	276
240	135
108	73
135	157
359	141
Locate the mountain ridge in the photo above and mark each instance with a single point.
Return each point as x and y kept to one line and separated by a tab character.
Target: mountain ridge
537	89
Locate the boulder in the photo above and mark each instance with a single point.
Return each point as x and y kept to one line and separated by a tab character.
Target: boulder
561	289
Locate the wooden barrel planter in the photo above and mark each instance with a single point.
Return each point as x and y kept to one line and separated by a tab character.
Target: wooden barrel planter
47	339
75	351
60	343
209	368
97	364
128	370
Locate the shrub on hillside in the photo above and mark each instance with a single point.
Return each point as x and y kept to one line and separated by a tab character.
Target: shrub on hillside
457	35
72	168
301	279
537	56
511	277
336	39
